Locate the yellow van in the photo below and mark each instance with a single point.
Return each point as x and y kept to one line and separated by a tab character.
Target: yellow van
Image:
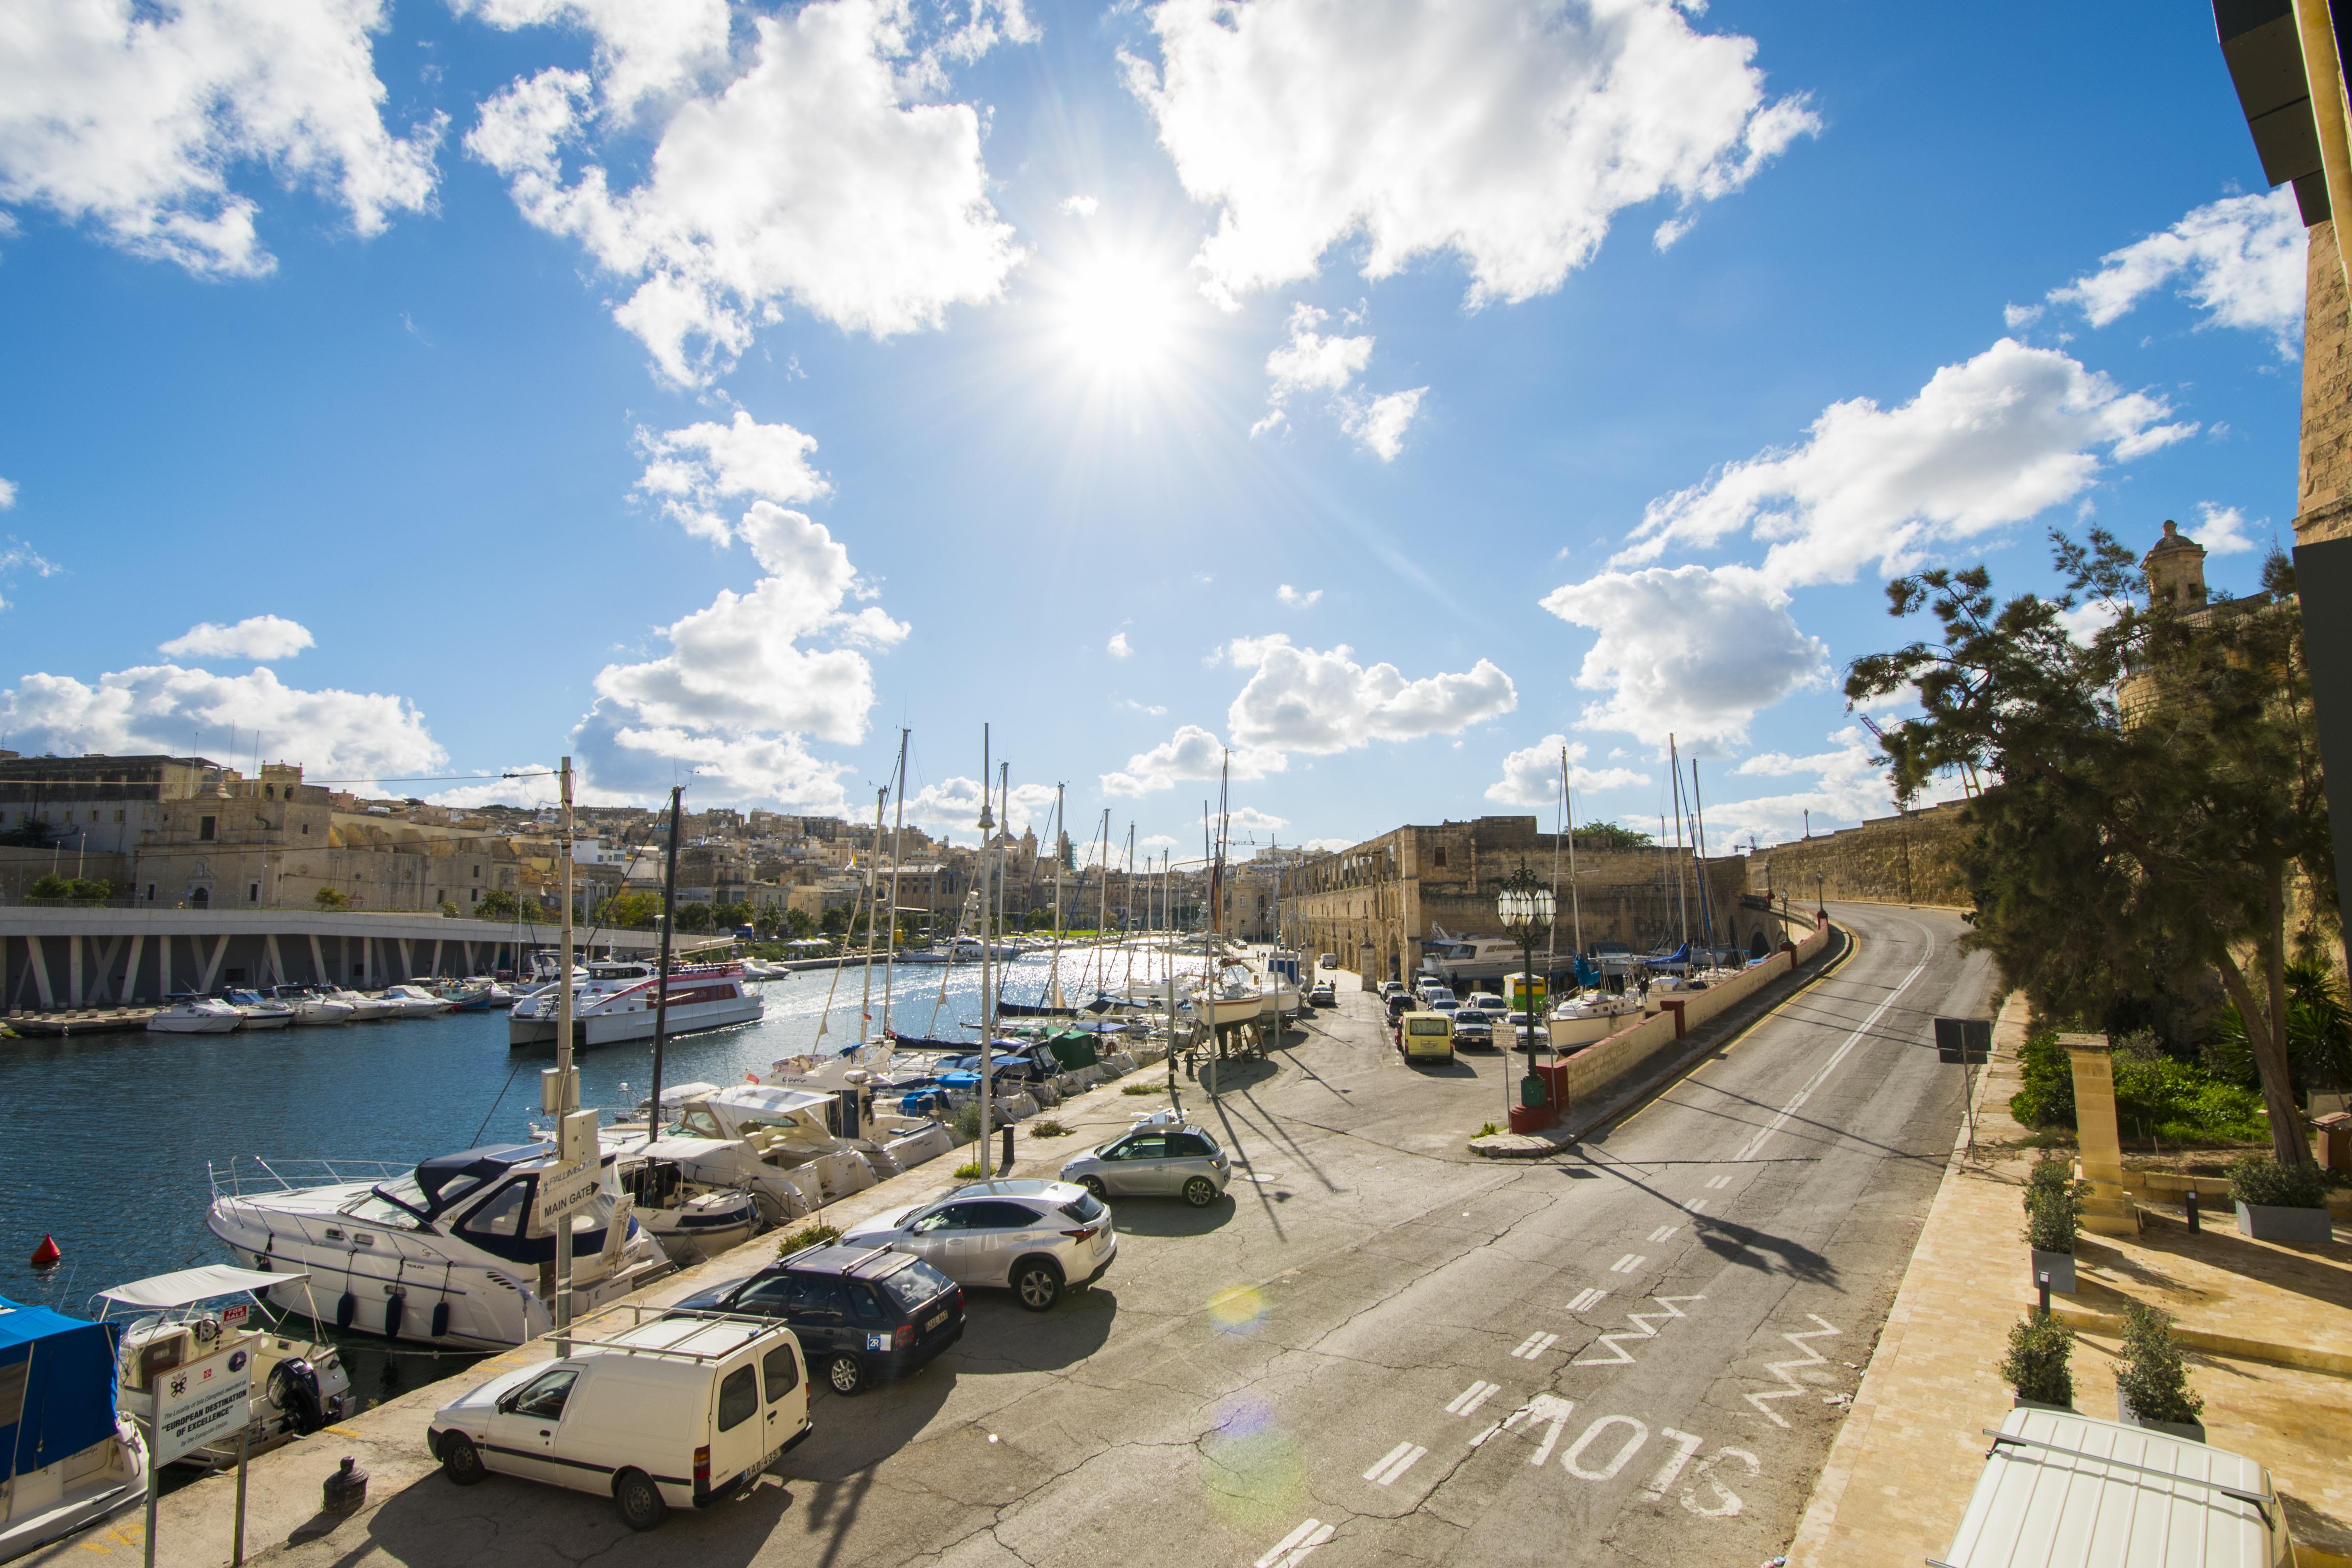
1425	1035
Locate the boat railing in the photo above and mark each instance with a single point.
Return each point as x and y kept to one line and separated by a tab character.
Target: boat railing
249	1174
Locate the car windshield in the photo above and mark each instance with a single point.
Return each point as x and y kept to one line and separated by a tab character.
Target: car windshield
915	1284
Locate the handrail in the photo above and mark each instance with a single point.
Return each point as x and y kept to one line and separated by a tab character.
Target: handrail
2261	1502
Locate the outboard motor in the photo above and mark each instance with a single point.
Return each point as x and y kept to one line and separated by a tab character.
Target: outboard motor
294	1388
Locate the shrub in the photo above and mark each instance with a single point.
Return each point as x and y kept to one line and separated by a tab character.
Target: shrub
968	1171
2047	1098
808	1235
2155	1095
2051	1174
967	1123
2050	1221
1487	1129
2036	1365
1048	1128
2261	1180
1145	1089
2153	1374
330	899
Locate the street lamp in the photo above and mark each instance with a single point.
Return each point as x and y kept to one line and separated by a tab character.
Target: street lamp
1526	905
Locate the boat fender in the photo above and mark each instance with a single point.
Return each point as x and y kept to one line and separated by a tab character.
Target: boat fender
440	1320
294	1389
393	1306
346	1309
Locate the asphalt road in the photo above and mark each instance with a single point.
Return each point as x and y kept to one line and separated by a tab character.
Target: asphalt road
1383	1348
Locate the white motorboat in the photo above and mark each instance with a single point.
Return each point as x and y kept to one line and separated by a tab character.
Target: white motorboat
451	1253
259	1012
298	1384
617	1004
410	1000
313	1006
1592	1016
73	1459
694	1221
365	1009
196	1015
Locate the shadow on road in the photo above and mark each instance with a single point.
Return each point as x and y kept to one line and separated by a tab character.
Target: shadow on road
1169	1216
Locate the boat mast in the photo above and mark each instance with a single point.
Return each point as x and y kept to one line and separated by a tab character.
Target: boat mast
1061	833
866	995
898	836
1682	895
1567	814
661	970
1102	908
1699	836
563	1095
987	995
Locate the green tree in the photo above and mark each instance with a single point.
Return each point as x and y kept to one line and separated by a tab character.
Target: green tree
49	886
450	910
836	922
727	916
498	904
331	899
2107	848
768	921
694	917
1609	836
798	925
635	911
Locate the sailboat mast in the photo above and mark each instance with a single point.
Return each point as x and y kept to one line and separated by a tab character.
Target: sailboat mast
865	993
661	970
898	837
1567	814
1698	814
1061	834
1682	895
987	990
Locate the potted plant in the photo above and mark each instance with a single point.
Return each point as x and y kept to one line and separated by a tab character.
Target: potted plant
2052	1217
2279	1203
2152	1378
2036	1365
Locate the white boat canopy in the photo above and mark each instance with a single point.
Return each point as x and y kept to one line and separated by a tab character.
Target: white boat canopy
190	1286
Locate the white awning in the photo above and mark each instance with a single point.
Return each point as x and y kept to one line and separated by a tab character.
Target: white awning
190	1286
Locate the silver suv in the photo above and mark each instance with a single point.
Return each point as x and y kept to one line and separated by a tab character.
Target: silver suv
1159	1157
1036	1237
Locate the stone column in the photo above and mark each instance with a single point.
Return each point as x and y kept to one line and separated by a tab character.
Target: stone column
2108	1210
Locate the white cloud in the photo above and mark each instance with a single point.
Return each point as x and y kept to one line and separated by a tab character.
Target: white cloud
165	707
16	556
1995	441
263	638
1309	360
1693	651
1250	819
2221	529
1330	846
7	495
1296	600
1379	426
644	49
694	469
1156	709
1299	699
1117	648
818	177
1507	133
1157	841
2240	260
953	807
1532	775
1080	205
1191	752
131	118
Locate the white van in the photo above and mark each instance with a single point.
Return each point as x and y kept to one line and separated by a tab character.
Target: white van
678	1412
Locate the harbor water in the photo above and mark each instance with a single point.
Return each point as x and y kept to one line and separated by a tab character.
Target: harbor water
110	1133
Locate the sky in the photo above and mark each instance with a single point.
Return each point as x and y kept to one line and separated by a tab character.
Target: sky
1374	397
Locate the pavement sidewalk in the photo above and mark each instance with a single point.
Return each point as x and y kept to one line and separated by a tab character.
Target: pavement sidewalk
1902	1469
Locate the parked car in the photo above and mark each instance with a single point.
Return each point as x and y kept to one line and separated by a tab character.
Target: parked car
1488	1002
1038	1238
1527	1036
1329	961
1162	1157
1431	994
862	1314
1474	1026
1399	1005
676	1412
1325	995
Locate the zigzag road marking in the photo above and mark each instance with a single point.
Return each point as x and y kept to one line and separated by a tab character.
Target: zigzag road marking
1643	1328
1807	1356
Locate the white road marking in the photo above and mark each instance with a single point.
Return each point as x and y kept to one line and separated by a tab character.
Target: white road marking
1664	1233
1807	1356
1686	1445
1543	1408
1764	1133
1535	1344
1727	1501
1626	1450
1588	1298
1291	1549
1467	1403
1718	1182
1394	1463
1643	1328
1627	1264
1696	1206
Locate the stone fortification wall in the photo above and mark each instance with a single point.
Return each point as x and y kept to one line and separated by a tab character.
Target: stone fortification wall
2323	489
1912	858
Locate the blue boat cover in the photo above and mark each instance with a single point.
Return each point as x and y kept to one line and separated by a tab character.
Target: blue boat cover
69	1399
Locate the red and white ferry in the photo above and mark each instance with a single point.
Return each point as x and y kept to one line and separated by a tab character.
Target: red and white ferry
615	1003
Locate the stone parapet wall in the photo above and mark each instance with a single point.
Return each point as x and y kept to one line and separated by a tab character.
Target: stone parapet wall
2323	505
1908	860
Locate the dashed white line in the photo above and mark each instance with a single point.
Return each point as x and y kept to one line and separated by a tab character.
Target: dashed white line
1395	1463
1664	1233
1588	1298
1627	1264
1467	1402
1718	1182
1535	1345
1291	1549
1696	1206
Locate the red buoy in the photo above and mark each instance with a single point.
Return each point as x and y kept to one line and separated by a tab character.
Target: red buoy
46	1255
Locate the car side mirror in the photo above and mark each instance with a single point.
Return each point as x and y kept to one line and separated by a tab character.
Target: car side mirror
509	1400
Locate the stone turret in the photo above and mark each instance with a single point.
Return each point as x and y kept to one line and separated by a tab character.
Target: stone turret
2176	569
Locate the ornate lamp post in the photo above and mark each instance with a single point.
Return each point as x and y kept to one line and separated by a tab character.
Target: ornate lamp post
1526	905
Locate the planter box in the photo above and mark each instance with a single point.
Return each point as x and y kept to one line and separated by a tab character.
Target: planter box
2269	1222
2059	1265
2194	1431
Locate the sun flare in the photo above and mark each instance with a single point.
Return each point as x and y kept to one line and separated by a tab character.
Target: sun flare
1118	316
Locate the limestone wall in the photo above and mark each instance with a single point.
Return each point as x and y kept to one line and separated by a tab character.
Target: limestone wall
2323	488
1908	859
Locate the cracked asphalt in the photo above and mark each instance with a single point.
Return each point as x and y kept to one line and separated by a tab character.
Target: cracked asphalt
1380	1347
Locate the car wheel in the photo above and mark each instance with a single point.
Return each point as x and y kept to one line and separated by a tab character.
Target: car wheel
460	1460
1095	1186
845	1375
1038	1284
639	1500
1200	1192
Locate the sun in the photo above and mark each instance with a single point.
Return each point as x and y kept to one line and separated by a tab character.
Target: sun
1117	316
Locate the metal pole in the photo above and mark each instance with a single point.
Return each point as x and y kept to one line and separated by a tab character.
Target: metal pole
865	993
237	1540
987	948
154	1465
563	1100
897	836
661	970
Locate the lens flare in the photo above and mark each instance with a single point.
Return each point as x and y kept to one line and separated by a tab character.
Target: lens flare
1237	1309
1256	1481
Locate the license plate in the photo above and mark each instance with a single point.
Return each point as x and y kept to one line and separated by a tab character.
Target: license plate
938	1321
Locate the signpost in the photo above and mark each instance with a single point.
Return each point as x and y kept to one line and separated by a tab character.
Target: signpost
565	1191
1966	1043
195	1403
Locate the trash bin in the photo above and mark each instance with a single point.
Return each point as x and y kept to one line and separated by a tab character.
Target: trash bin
2332	1138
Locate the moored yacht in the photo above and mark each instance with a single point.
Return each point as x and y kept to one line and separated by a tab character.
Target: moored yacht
196	1015
617	1004
73	1458
365	1009
259	1012
412	1000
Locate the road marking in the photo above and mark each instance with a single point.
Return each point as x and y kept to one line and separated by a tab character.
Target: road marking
1588	1298
1467	1403
1764	1133
1627	1264
1535	1344
1291	1549
1696	1206
1626	1450
1543	1408
1394	1463
1643	1328
1729	1504
1686	1445
1664	1233
1718	1182
1806	1356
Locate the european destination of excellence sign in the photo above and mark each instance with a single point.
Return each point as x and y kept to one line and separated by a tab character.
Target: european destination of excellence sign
201	1402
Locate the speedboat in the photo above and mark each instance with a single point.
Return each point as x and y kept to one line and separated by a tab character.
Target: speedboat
616	1004
410	1000
365	1009
258	1011
451	1253
73	1458
196	1015
313	1006
299	1385
694	1221
1590	1017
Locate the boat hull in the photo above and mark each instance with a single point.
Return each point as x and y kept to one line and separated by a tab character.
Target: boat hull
169	1024
618	1028
77	1492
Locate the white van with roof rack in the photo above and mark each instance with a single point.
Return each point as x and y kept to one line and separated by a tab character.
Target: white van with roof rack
675	1413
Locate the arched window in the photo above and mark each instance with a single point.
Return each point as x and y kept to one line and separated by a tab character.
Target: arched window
202	898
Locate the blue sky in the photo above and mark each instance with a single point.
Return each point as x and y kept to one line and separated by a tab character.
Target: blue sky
1376	390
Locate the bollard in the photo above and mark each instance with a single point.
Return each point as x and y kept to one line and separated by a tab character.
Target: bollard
1005	1165
2192	1208
346	1490
2044	1280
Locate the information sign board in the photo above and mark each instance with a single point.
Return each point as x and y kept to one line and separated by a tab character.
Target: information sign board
565	1191
201	1402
